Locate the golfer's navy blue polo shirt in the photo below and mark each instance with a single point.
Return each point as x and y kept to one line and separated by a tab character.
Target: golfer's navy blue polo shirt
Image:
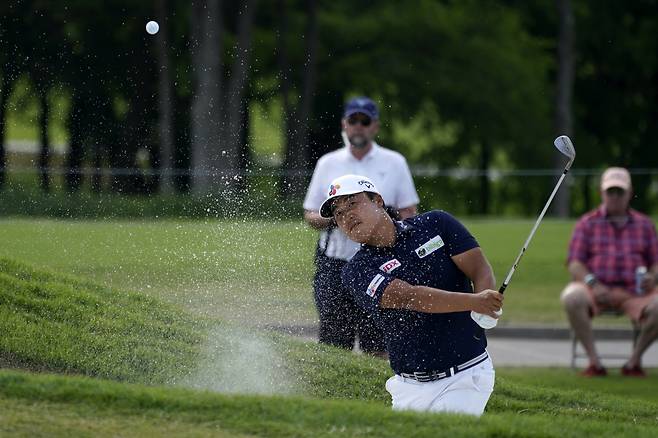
421	256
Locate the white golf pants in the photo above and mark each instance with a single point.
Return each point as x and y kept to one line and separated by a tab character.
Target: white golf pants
466	392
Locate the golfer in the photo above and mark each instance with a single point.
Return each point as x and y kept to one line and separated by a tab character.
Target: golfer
415	277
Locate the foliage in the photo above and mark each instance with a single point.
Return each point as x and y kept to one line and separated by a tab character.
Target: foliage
618	126
461	84
22	198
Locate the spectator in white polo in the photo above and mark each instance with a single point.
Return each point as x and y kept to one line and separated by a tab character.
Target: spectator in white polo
341	319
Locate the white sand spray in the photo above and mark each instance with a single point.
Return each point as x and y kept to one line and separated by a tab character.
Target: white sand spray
240	360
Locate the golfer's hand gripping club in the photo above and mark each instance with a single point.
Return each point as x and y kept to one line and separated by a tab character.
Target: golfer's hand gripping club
564	145
495	299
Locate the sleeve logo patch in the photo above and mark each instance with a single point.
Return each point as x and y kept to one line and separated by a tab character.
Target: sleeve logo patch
430	246
374	284
390	265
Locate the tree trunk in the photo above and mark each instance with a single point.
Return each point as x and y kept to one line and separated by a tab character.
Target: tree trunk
97	171
7	85
127	178
564	92
182	151
297	152
76	152
44	155
206	114
244	151
283	66
485	159
235	107
165	102
325	134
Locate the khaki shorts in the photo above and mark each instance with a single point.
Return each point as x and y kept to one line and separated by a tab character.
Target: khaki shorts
624	301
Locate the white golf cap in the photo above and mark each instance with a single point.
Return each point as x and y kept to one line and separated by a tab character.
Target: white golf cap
346	185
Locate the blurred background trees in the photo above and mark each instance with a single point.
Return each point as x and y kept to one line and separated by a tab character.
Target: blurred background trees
483	86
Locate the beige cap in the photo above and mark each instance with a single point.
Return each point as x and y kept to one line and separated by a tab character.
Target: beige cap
616	177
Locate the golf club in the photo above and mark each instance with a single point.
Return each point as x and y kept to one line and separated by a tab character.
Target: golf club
564	145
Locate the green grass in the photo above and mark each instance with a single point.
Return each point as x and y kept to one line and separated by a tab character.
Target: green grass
261	270
257	271
533	294
53	322
59	323
87	406
566	380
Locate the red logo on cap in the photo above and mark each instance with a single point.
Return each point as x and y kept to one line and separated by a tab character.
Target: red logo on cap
333	188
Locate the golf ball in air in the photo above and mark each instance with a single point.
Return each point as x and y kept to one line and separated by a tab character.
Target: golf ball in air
152	27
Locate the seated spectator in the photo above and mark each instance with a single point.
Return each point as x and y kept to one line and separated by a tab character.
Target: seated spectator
613	261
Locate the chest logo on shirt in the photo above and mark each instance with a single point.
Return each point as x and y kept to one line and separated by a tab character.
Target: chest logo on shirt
390	265
430	246
374	285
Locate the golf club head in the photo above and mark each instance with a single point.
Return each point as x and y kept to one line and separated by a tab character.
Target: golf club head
485	321
564	145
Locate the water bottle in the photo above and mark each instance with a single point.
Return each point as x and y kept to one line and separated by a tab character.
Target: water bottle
640	272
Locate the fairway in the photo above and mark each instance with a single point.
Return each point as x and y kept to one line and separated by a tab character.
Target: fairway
253	271
566	380
260	271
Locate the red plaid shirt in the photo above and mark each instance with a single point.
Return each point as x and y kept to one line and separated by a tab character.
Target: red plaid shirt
613	253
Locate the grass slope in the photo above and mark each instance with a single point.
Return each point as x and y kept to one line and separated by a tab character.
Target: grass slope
518	411
60	323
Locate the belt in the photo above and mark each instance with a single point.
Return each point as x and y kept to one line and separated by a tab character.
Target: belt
430	376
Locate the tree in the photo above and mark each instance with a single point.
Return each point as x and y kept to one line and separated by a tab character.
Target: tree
11	65
233	134
165	100
41	46
9	76
73	175
616	88
564	92
472	61
218	118
298	120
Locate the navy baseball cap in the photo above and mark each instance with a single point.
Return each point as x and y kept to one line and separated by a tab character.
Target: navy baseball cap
363	105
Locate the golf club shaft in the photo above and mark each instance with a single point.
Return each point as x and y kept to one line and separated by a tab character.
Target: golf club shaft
532	233
486	321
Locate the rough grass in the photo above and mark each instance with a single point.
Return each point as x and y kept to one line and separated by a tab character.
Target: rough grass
516	411
60	323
